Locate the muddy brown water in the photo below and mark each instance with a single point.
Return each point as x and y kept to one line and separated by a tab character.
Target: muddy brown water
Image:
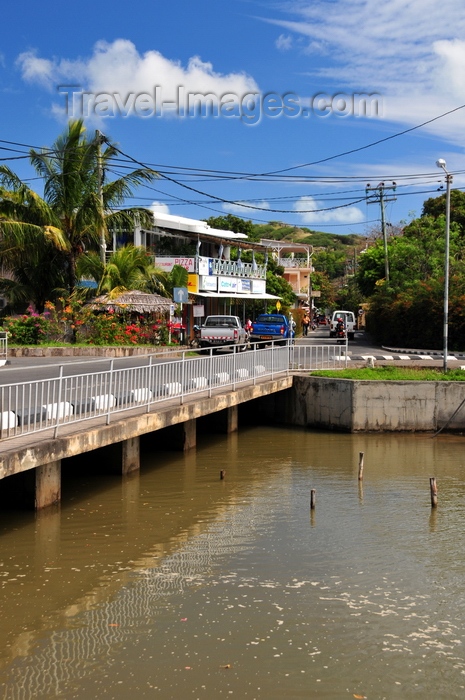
175	584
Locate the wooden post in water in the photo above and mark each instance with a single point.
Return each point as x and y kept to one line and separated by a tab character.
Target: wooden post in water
360	465
312	499
222	474
434	492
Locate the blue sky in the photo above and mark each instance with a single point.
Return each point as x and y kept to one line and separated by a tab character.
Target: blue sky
288	82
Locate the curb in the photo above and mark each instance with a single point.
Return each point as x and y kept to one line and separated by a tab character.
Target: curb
411	351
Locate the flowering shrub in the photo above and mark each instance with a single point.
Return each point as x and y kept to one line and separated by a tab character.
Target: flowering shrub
74	323
27	330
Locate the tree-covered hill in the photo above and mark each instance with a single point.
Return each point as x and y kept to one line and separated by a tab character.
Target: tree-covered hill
280	231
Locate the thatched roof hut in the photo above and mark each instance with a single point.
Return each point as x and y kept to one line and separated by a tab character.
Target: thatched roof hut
134	301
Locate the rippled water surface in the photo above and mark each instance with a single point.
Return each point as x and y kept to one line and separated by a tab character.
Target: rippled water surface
175	584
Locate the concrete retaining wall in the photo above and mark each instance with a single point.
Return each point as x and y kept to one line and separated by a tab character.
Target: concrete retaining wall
91	351
353	406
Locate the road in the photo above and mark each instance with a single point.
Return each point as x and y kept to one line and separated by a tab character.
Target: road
360	345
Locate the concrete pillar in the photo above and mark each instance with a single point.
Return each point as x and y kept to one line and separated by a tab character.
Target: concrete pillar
231	419
224	421
181	437
130	455
48	484
190	434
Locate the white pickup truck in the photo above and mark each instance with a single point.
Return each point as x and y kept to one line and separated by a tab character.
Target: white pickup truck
219	331
349	322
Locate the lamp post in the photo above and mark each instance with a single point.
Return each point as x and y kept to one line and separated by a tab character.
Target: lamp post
441	163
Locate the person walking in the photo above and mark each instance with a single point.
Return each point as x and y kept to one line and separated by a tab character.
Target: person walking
305	324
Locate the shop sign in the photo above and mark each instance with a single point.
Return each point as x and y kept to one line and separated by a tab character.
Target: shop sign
208	283
205	266
167	263
259	286
193	283
227	284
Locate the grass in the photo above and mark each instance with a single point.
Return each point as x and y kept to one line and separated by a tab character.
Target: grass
397	374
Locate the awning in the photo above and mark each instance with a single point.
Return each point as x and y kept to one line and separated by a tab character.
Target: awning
225	295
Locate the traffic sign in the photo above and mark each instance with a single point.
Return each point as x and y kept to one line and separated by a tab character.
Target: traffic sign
278	305
180	295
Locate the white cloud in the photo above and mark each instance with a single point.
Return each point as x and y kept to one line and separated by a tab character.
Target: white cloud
412	53
312	212
118	67
159	208
284	42
36	70
244	209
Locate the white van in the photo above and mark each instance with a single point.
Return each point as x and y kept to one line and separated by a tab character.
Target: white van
349	321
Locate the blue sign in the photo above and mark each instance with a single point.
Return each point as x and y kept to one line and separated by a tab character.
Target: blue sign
180	295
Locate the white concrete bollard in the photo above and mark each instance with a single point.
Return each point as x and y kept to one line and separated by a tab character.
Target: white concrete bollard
8	419
242	373
63	409
141	395
199	383
103	402
172	389
221	378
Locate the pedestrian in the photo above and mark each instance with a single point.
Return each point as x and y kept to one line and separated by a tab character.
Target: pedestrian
305	324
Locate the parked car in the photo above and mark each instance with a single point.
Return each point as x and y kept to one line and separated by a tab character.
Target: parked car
349	322
219	331
272	327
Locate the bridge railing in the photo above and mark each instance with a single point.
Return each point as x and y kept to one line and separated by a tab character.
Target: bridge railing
3	347
38	405
310	357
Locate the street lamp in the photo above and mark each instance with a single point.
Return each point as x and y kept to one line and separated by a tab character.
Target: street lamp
441	163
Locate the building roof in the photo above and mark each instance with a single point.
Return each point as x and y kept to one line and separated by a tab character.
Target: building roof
200	230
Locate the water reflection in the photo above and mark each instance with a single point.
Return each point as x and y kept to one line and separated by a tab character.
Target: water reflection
175	581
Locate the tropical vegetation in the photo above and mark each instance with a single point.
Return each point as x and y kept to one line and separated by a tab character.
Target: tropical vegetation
44	237
407	309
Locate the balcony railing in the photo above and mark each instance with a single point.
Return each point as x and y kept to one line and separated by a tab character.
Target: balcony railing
233	268
294	263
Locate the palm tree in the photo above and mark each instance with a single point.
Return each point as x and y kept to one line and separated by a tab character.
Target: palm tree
128	268
78	202
31	247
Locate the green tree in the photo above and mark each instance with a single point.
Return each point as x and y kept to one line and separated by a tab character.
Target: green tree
128	268
73	205
436	207
322	284
233	223
31	250
408	310
330	261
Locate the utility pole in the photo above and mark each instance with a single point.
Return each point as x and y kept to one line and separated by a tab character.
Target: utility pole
100	138
376	195
441	163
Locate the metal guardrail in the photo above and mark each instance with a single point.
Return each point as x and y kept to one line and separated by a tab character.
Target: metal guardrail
38	405
309	357
3	347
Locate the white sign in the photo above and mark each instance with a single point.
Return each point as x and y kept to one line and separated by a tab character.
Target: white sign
208	283
259	286
167	263
199	310
227	284
205	266
245	286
